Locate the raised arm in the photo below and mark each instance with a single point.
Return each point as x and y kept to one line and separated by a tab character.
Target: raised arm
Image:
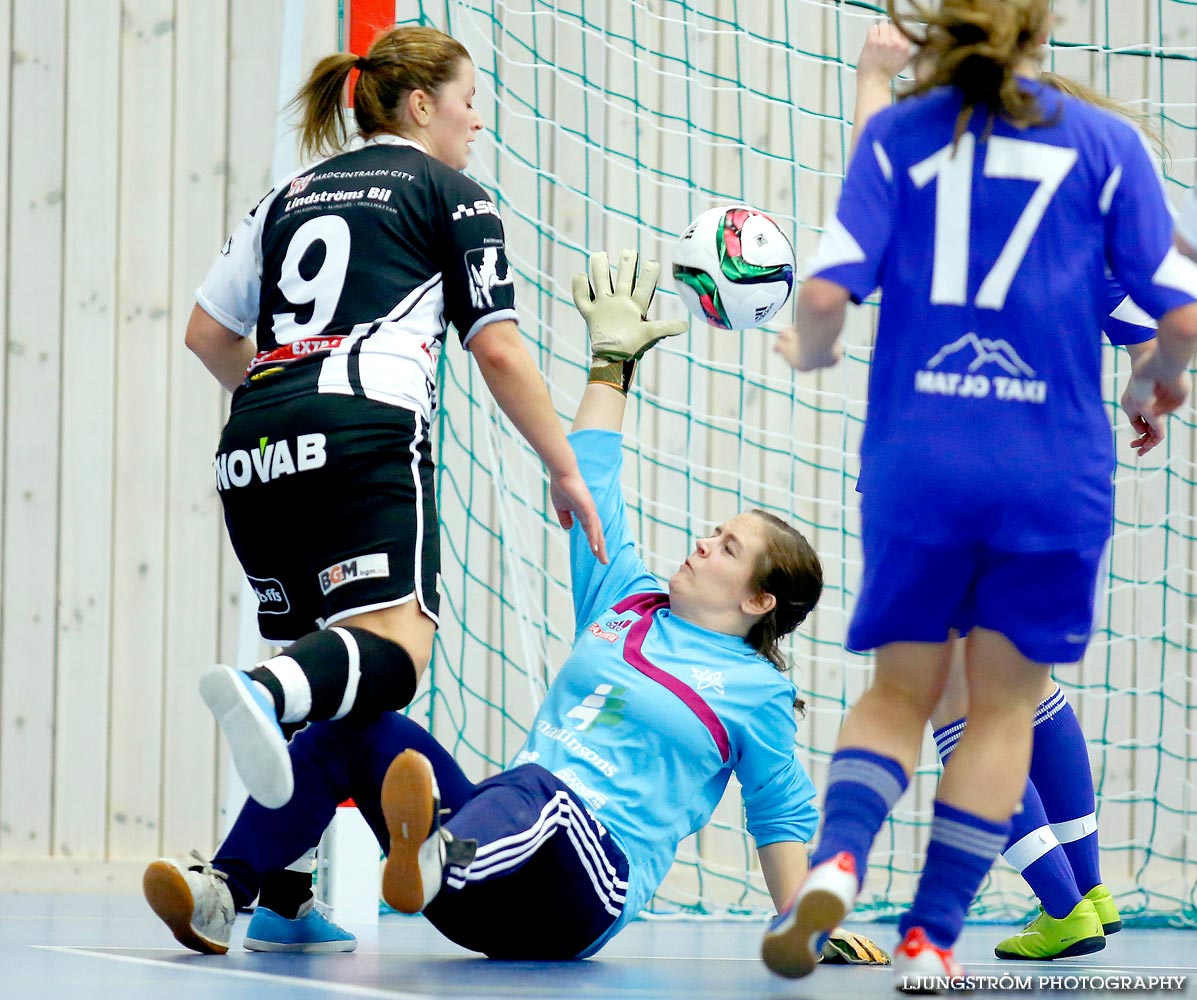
620	333
885	53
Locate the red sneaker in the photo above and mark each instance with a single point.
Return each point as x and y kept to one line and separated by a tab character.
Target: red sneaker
921	967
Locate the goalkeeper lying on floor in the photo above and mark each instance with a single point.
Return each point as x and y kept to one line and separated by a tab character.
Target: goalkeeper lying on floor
628	755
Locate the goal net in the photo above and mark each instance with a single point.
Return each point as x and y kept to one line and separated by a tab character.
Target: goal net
612	123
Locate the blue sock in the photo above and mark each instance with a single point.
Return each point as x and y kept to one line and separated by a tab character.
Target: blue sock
1032	849
1061	772
959	856
862	788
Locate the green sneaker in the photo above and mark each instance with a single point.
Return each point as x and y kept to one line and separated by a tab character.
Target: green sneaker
1107	909
1045	937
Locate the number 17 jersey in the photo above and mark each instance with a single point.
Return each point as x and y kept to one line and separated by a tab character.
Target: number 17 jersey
985	418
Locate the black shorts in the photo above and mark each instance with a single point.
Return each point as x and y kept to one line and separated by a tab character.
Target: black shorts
330	508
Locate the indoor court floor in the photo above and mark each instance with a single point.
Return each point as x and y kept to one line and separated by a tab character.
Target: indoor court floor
95	947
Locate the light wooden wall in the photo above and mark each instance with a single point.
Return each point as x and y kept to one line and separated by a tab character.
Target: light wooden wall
136	134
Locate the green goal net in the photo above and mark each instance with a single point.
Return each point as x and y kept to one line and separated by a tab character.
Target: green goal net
613	123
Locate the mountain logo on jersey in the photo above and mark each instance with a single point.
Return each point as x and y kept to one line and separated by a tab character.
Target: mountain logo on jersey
269	461
970	352
489	271
603	707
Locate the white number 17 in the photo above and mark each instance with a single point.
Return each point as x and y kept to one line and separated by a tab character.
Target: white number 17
1014	159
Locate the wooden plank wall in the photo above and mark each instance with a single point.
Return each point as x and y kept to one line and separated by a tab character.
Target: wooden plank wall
136	134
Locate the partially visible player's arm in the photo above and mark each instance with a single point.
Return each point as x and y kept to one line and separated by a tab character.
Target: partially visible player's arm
224	352
814	339
1160	377
885	53
1149	427
783	864
515	382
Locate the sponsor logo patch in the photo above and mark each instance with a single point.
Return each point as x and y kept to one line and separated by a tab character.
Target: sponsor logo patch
967	355
488	270
269	461
272	599
299	185
358	568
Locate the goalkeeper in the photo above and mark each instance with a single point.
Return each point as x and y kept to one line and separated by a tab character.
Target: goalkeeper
667	691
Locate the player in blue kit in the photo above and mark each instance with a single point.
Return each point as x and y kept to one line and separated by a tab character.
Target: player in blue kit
668	690
987	207
1053	838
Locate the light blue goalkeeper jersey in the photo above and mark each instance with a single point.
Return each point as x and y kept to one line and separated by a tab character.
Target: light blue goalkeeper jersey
985	419
651	714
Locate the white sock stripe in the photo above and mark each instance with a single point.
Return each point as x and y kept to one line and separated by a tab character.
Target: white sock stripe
1072	830
1027	850
945	743
861	772
297	692
1050	706
956	834
353	678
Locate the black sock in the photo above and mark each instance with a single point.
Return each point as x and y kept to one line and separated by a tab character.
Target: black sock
285	892
326	674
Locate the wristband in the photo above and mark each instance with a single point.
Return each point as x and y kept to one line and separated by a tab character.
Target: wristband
616	374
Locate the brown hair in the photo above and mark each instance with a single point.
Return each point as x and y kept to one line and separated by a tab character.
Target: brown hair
401	60
789	569
975	46
1090	96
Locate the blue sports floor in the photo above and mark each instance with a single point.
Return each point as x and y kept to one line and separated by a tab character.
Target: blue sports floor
93	947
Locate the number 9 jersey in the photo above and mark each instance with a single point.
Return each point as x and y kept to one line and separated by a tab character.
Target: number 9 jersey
351	269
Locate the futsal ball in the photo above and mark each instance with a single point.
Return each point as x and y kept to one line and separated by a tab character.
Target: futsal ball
733	267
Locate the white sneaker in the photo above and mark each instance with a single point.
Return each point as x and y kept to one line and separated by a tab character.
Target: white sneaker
795	938
246	717
196	906
921	967
420	849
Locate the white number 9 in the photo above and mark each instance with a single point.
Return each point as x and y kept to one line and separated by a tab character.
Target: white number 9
323	289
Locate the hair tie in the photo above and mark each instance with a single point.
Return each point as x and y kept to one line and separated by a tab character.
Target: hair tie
363	64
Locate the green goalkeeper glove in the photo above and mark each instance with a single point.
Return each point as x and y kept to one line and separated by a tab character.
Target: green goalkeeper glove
616	316
842	947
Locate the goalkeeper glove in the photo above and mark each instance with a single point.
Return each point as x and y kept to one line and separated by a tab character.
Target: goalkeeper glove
842	947
616	316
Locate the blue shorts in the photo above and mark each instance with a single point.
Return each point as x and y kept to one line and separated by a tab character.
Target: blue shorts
1043	602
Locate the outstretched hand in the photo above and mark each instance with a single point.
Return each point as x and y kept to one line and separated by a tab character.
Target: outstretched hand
571	499
616	314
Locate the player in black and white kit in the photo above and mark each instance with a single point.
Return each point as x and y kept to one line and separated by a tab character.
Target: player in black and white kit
349	272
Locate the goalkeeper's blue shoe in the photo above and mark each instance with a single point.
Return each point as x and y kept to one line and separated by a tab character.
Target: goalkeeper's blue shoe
311	932
1047	937
1107	909
794	941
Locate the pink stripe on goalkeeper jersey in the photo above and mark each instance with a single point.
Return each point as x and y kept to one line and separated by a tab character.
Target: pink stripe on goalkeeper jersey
644	605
